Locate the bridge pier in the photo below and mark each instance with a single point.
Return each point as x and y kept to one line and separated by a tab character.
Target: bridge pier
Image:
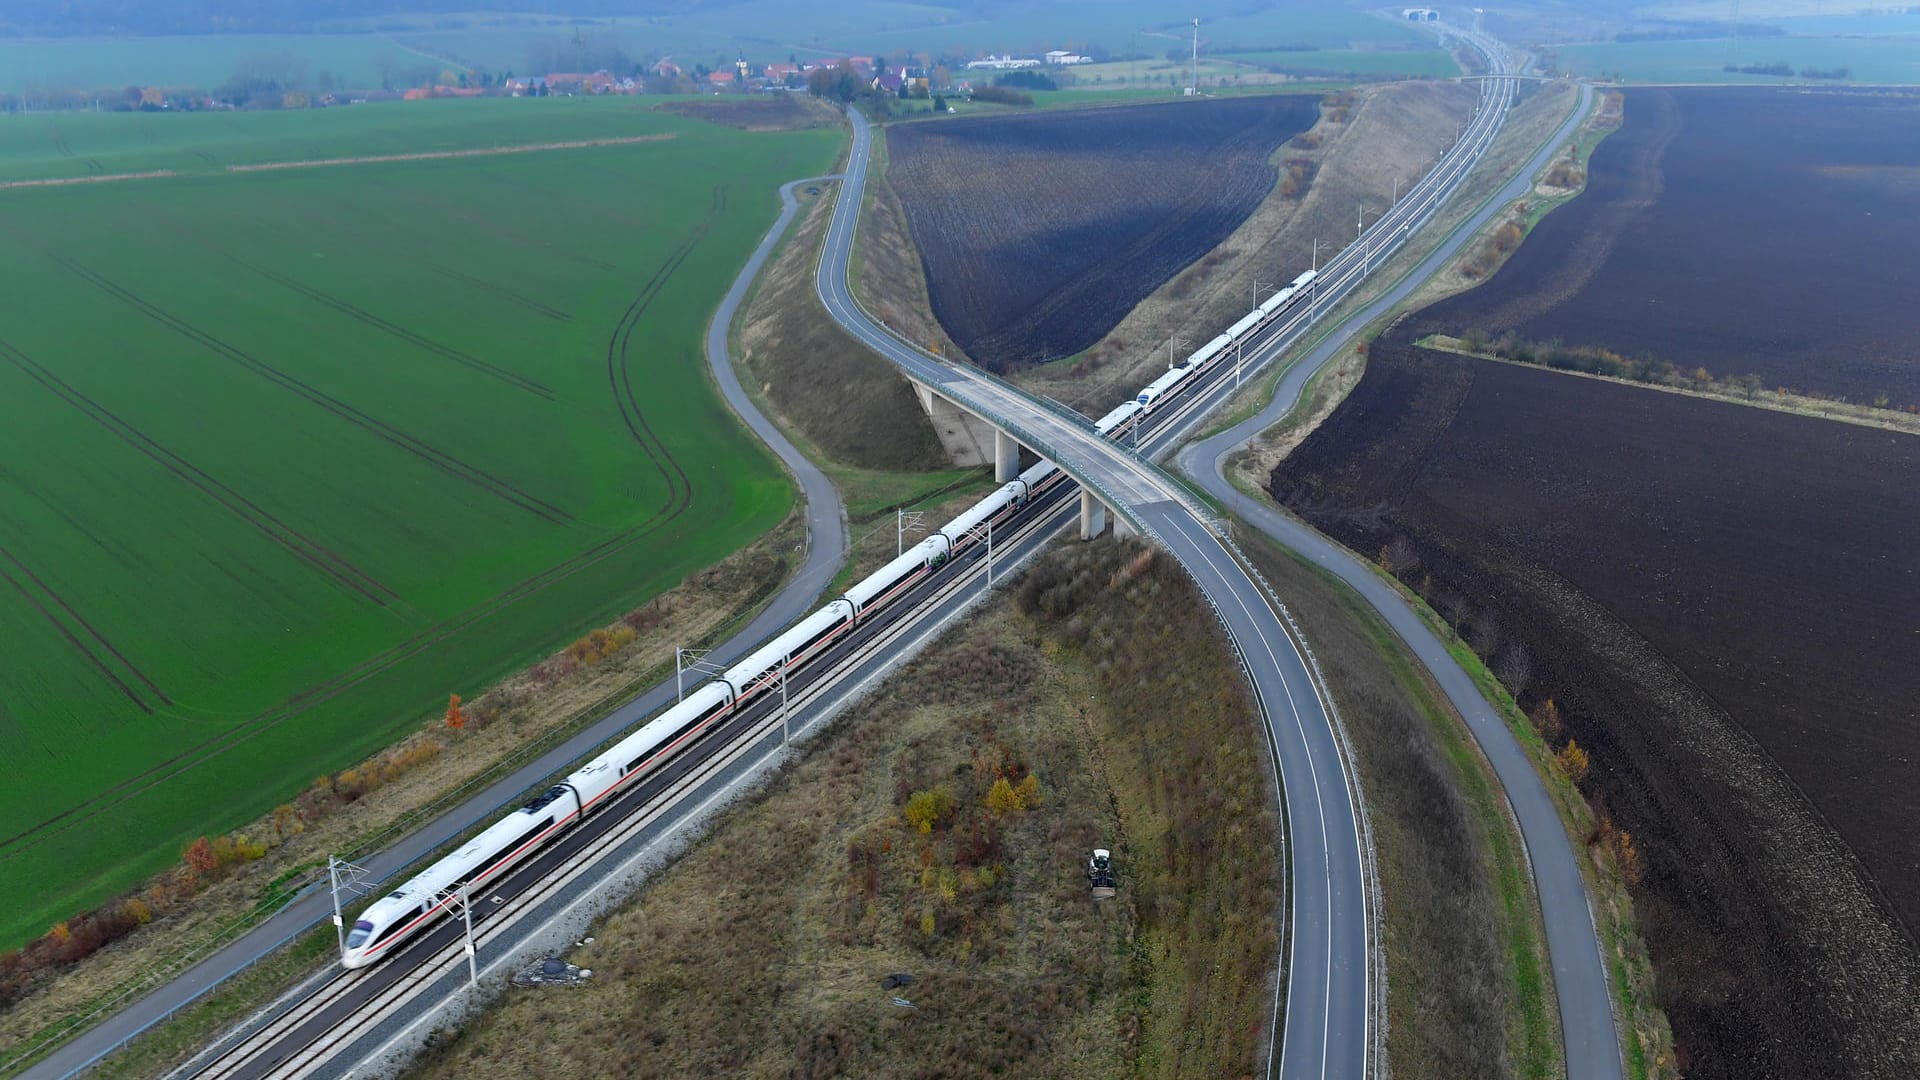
1093	515
967	439
1006	457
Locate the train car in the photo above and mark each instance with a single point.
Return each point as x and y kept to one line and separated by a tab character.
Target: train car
398	916
1208	351
1276	301
1117	420
887	584
1153	390
1305	279
1038	477
1247	322
761	669
599	780
959	532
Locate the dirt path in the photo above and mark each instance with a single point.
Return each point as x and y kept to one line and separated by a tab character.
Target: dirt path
60	181
315	163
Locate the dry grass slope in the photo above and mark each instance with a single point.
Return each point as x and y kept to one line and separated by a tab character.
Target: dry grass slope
941	829
888	273
850	404
1364	139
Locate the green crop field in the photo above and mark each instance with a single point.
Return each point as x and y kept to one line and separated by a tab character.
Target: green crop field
286	457
72	144
1429	63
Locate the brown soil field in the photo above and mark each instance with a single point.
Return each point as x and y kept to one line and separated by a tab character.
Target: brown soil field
1723	601
1747	231
1039	232
941	829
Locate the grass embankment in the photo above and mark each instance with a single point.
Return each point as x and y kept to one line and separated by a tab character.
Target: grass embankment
845	408
369	453
853	411
1099	707
1593	362
1364	139
1608	863
361	808
888	275
1470	989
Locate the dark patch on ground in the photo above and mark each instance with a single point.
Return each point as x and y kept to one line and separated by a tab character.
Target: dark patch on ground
1688	578
1770	232
1039	232
770	112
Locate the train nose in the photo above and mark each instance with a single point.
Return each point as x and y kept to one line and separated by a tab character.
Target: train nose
353	958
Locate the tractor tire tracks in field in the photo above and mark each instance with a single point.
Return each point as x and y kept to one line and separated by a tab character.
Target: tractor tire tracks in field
503	293
320	557
618	353
425	451
41	594
368	318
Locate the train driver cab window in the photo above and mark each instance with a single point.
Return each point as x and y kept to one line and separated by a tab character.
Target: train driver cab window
362	930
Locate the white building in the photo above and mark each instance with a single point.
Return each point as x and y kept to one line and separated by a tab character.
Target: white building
1061	57
1003	63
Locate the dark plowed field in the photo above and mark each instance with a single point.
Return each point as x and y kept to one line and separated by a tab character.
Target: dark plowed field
1763	231
1040	232
1727	603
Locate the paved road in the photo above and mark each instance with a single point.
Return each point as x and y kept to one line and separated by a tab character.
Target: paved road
1580	975
1327	1027
826	548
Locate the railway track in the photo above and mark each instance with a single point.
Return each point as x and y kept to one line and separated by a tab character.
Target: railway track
308	1030
335	1022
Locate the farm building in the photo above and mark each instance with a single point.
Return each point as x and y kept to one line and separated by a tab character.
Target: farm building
1062	58
1414	14
1003	63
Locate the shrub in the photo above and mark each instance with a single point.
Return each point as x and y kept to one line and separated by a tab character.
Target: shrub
926	809
1572	761
1000	95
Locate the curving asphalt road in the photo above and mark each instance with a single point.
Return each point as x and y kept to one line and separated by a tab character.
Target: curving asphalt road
826	517
826	548
1327	1029
1580	975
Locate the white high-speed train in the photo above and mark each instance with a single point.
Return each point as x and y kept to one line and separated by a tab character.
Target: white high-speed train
1210	353
397	917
